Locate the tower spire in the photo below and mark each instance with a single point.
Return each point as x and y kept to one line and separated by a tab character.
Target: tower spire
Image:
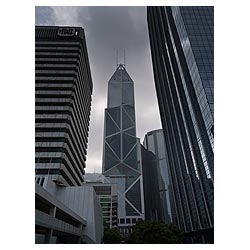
116	58
124	58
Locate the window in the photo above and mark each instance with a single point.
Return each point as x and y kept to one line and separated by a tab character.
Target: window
42	181
122	221
212	130
105	200
102	190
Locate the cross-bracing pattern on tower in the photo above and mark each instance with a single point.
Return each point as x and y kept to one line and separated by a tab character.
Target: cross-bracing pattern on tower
121	154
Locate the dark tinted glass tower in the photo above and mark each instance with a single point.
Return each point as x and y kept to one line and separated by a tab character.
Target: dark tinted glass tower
181	40
63	98
154	142
121	154
151	189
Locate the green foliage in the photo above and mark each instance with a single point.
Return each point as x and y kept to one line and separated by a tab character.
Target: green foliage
155	233
112	236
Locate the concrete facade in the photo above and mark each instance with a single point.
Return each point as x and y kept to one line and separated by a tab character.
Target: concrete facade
63	89
66	211
67	214
108	198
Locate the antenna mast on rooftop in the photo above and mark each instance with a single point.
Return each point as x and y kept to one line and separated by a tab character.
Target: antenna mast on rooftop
116	58
124	58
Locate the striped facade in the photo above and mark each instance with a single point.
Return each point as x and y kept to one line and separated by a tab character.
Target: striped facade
181	40
63	88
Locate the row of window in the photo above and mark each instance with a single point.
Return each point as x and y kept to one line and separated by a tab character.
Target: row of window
103	190
125	230
40	180
128	220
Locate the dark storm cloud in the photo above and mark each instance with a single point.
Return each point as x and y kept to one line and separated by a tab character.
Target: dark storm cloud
108	29
115	27
44	16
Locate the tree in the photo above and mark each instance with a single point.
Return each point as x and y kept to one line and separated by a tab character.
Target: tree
148	232
112	236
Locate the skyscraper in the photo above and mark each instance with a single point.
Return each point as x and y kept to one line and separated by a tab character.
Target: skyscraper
63	98
121	154
151	188
65	210
154	142
181	40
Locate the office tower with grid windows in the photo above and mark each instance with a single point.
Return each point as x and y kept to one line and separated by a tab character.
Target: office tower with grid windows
121	150
182	45
63	88
154	142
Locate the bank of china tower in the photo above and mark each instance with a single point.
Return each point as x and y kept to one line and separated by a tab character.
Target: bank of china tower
121	151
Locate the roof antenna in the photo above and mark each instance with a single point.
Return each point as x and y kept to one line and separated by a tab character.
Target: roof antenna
124	58
116	58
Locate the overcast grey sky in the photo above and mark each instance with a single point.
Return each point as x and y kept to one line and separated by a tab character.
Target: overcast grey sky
108	29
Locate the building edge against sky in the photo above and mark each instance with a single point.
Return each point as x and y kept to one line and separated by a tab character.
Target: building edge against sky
181	41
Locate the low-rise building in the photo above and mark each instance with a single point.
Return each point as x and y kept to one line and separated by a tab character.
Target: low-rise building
67	214
107	195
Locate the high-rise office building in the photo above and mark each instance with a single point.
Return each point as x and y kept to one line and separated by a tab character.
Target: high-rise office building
182	44
121	154
63	88
151	188
154	142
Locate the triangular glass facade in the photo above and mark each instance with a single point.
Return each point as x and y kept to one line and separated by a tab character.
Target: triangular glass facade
115	115
130	131
131	159
111	127
121	163
115	143
126	121
132	195
127	142
110	158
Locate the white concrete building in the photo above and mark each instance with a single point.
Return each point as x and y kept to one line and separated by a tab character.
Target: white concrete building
67	214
